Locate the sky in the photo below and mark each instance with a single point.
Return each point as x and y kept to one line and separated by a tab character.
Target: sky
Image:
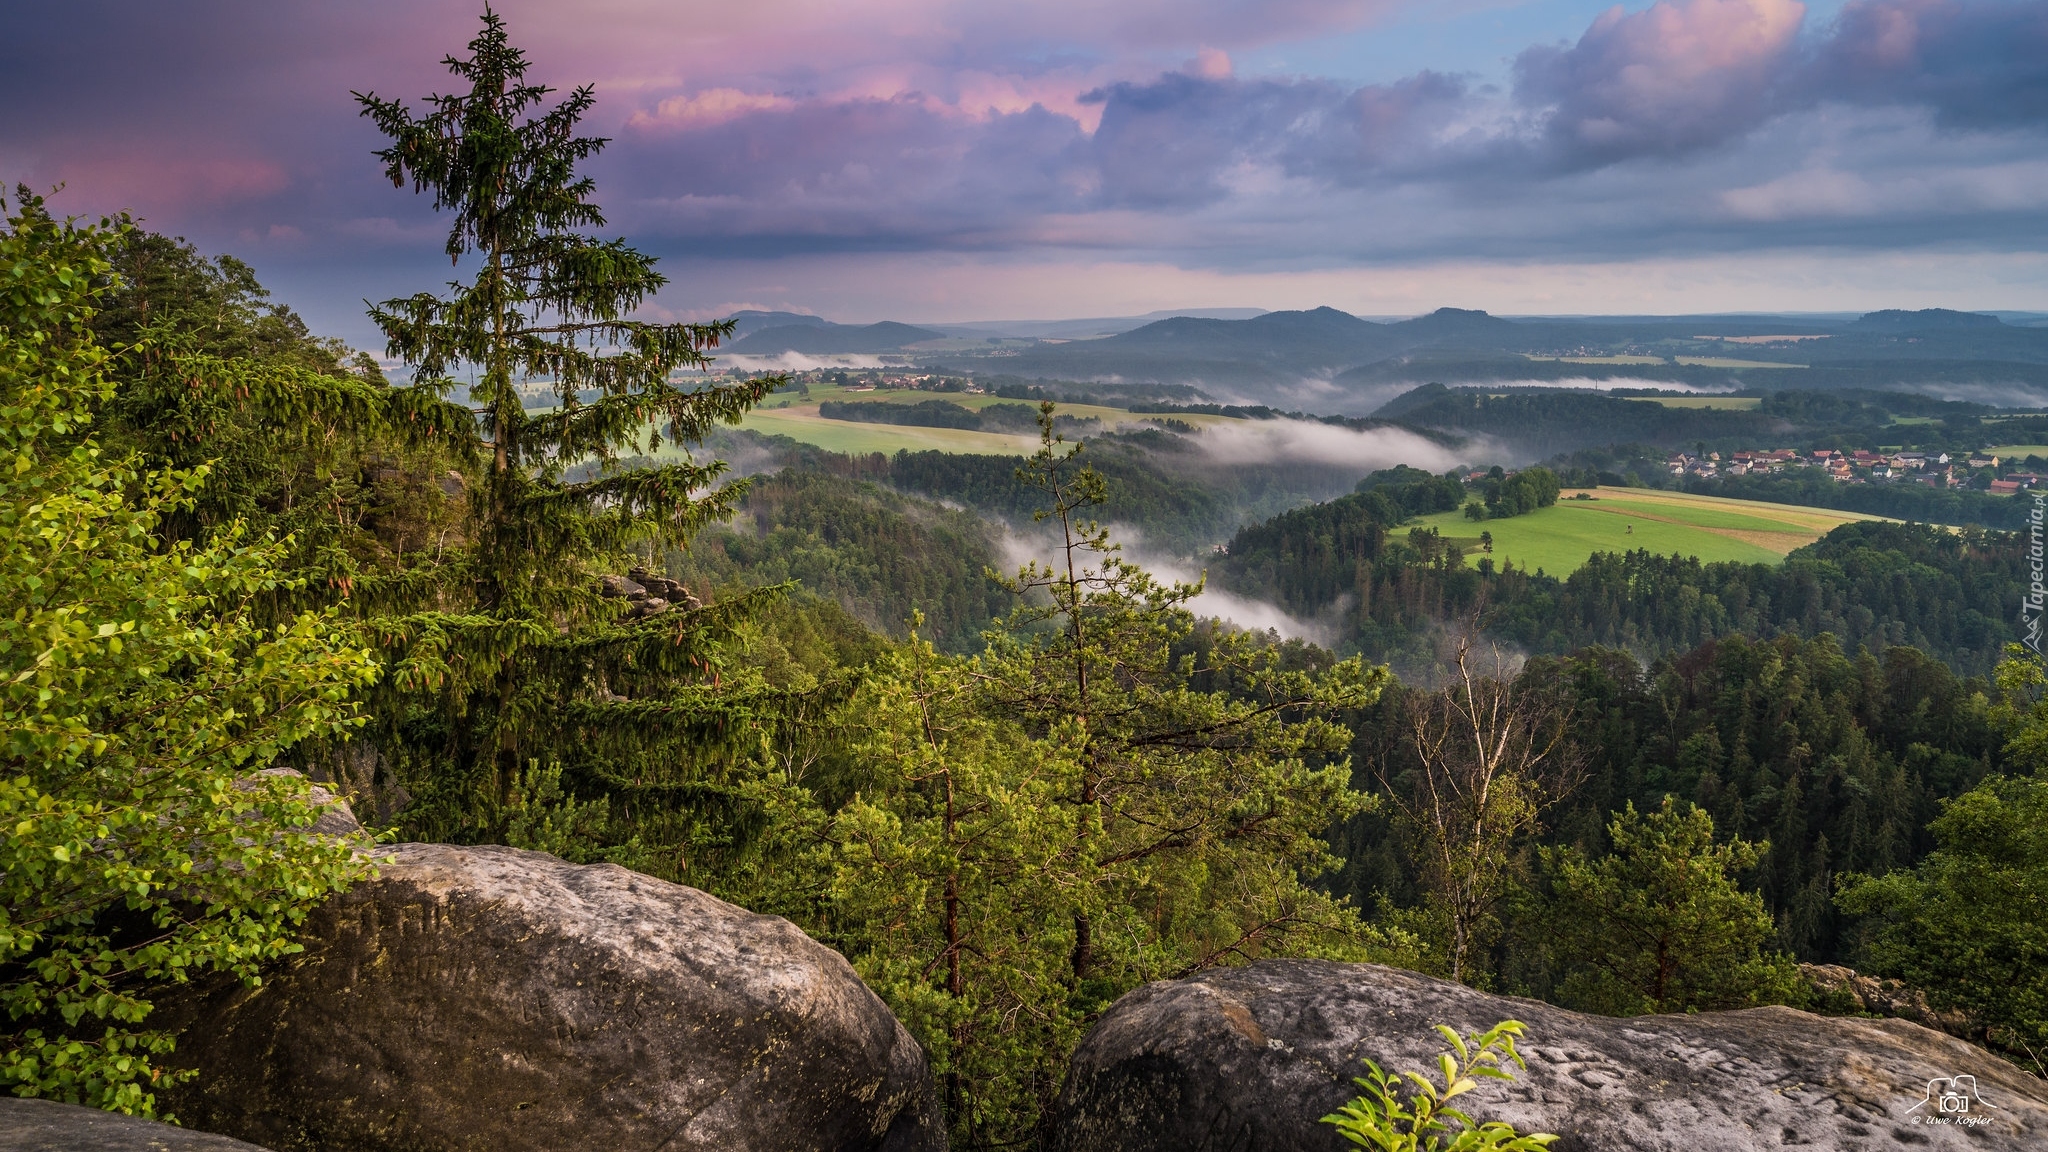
956	160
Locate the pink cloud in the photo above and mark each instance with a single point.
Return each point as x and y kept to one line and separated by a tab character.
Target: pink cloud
712	106
1678	75
174	186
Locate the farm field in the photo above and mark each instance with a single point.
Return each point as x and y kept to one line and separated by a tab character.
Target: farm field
796	416
2017	451
1729	403
1560	538
1725	362
802	422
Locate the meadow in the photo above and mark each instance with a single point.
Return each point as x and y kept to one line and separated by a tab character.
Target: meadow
1558	539
1596	359
1724	403
795	415
1727	362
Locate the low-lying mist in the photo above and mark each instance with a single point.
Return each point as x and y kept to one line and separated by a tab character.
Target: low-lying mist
2014	395
1307	442
1023	545
1591	384
800	362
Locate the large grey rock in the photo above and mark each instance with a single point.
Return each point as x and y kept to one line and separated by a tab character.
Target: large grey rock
485	999
47	1126
1882	997
1248	1059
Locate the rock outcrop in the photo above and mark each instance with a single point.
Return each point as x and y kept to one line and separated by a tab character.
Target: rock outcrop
1248	1059
47	1126
1885	997
487	999
650	595
336	817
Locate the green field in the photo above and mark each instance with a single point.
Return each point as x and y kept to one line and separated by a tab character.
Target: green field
1559	539
802	422
2017	451
1731	403
1725	362
796	416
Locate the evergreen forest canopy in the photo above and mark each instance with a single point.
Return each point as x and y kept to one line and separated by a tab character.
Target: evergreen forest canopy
1007	793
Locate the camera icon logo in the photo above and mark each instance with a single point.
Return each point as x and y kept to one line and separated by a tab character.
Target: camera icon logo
1952	1096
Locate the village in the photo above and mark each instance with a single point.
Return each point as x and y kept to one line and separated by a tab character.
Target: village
1935	469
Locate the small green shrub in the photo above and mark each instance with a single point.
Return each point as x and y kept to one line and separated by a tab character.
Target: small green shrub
1379	1119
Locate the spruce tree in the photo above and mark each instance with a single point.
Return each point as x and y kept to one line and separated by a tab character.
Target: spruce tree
522	666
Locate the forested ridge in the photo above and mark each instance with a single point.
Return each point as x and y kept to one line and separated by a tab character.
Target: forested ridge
1007	792
878	554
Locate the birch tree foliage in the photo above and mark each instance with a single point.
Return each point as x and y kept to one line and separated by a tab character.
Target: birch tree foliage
141	685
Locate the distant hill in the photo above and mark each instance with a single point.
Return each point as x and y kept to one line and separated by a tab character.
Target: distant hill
1464	325
1270	357
1926	319
1085	328
826	339
1328	360
1260	356
752	320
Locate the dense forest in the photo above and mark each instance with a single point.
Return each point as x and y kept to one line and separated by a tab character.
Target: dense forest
1009	793
1839	761
1543	424
1871	584
880	555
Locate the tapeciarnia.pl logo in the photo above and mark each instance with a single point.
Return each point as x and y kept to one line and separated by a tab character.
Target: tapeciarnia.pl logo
2036	601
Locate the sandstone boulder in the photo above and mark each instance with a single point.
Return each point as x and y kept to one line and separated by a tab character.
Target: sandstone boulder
47	1126
1884	997
1248	1059
487	999
619	587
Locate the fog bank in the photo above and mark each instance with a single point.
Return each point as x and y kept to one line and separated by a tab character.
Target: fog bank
1307	442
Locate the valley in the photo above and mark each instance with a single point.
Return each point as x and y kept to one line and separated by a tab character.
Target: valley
643	660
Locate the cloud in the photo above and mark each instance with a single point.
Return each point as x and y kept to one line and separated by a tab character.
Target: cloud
1826	193
1691	125
1157	134
1976	65
1681	75
711	106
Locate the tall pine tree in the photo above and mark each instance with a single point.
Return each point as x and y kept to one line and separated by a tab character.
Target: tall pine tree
520	667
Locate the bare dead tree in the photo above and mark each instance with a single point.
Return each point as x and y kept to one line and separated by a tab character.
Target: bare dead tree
1490	756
